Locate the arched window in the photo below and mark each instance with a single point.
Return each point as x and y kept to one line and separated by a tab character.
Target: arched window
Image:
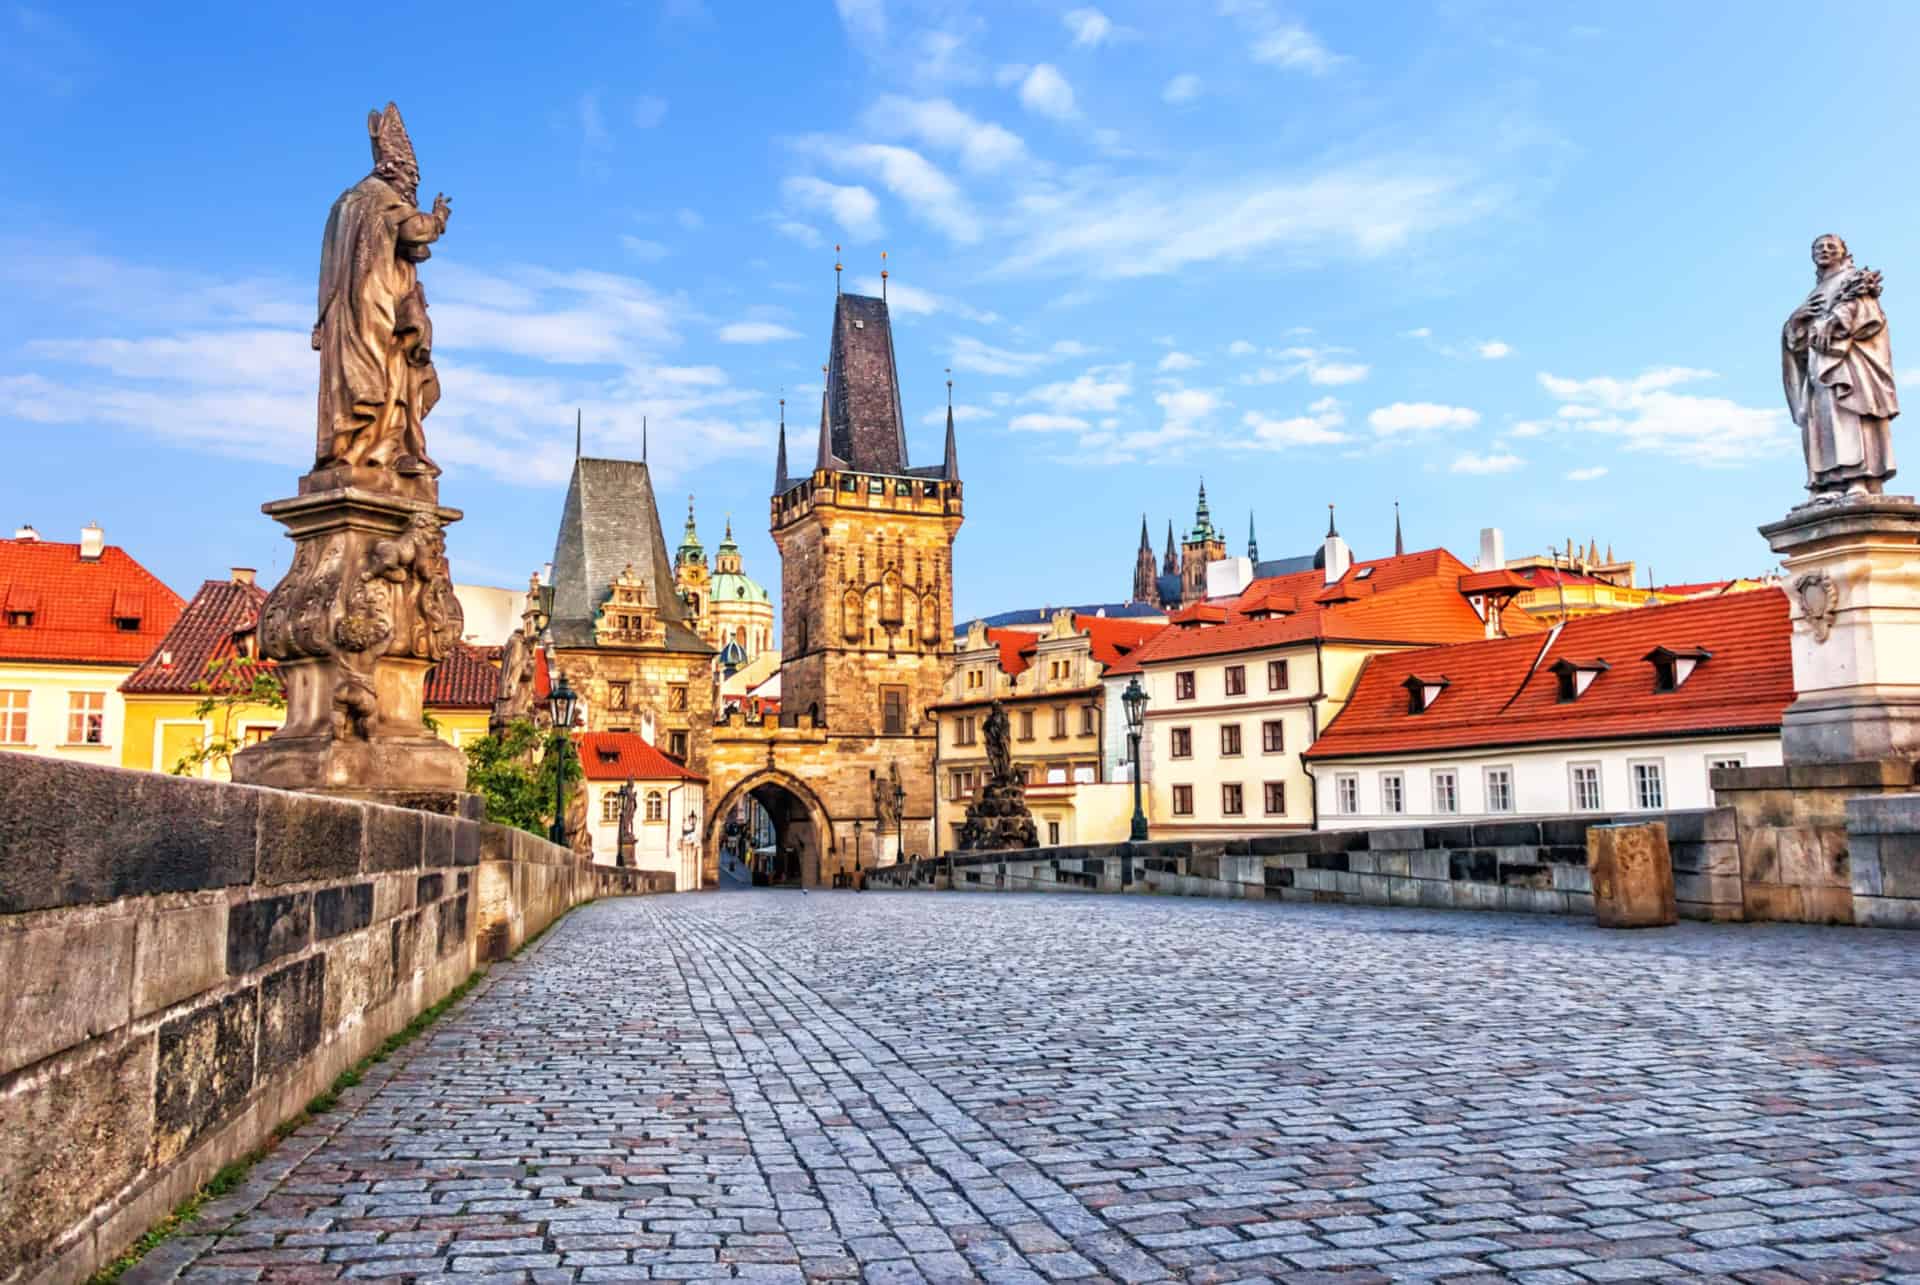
656	806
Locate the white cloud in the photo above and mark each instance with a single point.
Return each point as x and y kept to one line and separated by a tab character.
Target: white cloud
865	20
1045	92
912	301
801	232
1320	426
1494	349
1102	388
1178	361
1419	417
1045	423
1592	474
853	208
1337	372
1185	407
1090	27
1240	348
1326	367
755	332
908	175
644	250
983	359
1491	463
1649	415
1278	42
1074	348
983	147
1529	428
1183	88
1419	332
648	111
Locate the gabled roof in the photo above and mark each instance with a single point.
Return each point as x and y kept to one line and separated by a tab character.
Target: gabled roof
1410	599
610	522
1506	691
203	635
73	602
1015	645
626	756
466	678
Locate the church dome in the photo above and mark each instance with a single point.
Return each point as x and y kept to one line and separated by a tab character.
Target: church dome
736	586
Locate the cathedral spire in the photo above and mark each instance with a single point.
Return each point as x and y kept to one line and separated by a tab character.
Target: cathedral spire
1202	517
780	460
1399	545
1170	566
951	469
1146	541
1253	542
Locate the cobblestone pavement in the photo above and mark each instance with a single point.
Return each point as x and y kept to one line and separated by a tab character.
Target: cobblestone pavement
909	1086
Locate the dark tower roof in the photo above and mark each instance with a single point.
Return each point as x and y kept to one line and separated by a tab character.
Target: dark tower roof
1253	543
780	462
861	424
1146	542
950	468
610	522
1170	565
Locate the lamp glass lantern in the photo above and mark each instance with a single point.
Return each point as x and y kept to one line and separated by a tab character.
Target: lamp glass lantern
1135	701
560	703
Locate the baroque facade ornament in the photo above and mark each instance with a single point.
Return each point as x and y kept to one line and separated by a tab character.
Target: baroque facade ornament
1819	600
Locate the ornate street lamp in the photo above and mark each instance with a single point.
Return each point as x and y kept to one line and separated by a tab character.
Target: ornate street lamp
560	703
899	822
1135	701
856	854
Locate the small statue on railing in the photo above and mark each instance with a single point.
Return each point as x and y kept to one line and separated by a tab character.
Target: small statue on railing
1837	365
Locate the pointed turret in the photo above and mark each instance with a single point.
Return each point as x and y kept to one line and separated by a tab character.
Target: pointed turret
1146	541
689	550
1170	565
1202	518
1145	571
780	459
950	470
1253	542
1399	545
861	424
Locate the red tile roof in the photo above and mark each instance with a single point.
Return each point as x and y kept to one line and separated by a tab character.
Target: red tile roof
1504	692
1113	637
1013	644
73	601
205	634
625	756
465	679
1413	598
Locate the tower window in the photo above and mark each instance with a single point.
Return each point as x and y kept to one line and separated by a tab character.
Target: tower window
893	711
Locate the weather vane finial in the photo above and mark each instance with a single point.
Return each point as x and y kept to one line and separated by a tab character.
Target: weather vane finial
883	276
836	270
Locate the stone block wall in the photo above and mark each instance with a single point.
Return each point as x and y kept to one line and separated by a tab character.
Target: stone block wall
186	963
1793	833
1884	833
1537	866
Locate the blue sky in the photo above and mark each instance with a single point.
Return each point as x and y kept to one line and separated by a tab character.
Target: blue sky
1519	264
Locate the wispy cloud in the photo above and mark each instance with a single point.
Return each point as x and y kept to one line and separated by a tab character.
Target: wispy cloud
755	332
971	354
1320	426
1648	414
1492	462
1183	88
865	20
1494	349
854	208
1090	27
908	176
983	147
1592	473
1276	41
1178	361
1045	92
648	111
1326	366
1103	388
911	301
1420	417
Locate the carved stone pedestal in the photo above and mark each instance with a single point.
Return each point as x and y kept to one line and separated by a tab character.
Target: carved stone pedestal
1853	577
364	611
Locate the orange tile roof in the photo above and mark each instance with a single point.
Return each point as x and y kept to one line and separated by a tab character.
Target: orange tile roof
73	602
204	635
626	756
464	679
1504	692
1414	598
1013	645
1113	637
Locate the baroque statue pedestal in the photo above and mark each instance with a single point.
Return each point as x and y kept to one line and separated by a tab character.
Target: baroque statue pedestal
365	610
1853	579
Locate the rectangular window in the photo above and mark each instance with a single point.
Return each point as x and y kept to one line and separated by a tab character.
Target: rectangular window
1346	794
1586	786
13	718
964	731
1276	792
893	711
86	718
1183	800
1053	833
20	619
1230	801
1183	685
975	678
1276	675
1230	739
1182	747
1026	724
257	733
1499	789
1273	736
1726	760
1086	720
677	745
677	698
1236	680
1446	792
1059	722
1393	793
610	806
1649	784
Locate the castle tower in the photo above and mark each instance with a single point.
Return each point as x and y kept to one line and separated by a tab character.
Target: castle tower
1146	569
866	548
1203	544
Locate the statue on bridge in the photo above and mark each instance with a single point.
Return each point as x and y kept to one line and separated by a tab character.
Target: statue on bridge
999	818
1837	364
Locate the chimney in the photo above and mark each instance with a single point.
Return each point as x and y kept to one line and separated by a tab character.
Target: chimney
92	541
1337	556
1228	576
1493	549
26	533
243	575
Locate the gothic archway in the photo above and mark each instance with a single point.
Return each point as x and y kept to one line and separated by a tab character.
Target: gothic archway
802	832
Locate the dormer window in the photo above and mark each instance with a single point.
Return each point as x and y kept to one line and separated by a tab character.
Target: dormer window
128	611
1576	676
1423	692
1671	667
20	619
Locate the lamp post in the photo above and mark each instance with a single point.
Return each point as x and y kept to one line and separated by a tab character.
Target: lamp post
1135	701
560	704
856	853
899	822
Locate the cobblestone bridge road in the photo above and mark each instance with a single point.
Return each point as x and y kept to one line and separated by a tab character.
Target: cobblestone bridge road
897	1087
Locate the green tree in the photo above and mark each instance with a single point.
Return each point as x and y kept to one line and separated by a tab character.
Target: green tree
233	685
514	772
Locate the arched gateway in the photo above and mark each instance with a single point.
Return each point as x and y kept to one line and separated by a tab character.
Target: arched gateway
801	829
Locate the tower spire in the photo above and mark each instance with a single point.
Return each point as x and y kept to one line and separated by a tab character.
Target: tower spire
780	460
836	271
1146	541
1331	529
824	460
1170	565
1253	542
951	468
1399	545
